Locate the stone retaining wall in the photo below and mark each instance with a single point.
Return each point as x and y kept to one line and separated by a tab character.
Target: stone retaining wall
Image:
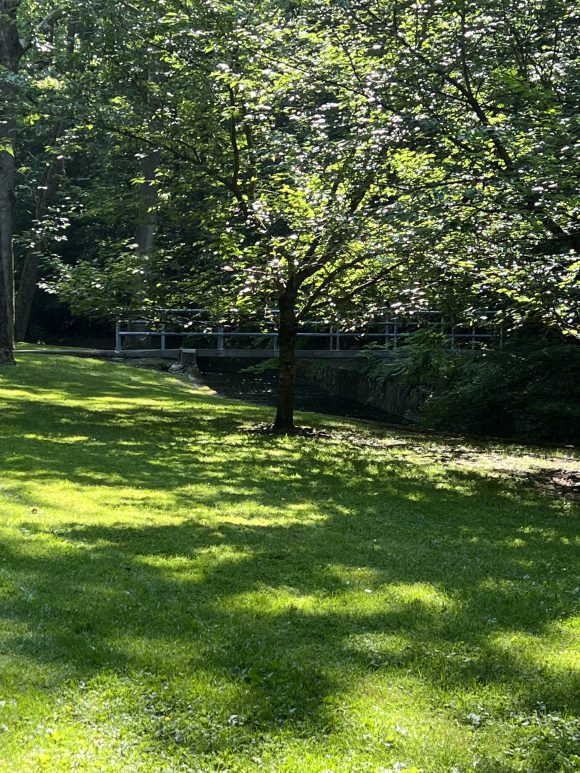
348	379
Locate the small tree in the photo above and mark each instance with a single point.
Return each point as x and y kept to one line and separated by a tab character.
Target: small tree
346	149
309	179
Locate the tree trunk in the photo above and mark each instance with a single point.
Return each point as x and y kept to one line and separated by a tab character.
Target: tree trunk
148	204
6	251
287	330
30	273
11	52
29	277
6	328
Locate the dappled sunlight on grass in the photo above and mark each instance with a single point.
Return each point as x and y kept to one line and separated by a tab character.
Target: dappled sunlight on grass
178	594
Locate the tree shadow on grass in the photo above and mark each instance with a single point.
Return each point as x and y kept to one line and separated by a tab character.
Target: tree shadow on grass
291	573
269	605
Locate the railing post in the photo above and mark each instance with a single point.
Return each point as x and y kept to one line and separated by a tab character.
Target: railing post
395	335
221	339
162	338
338	340
118	341
331	337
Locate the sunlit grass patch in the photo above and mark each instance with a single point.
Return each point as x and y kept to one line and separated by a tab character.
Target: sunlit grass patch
179	594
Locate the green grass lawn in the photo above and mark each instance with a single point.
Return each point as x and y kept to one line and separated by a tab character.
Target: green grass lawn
178	594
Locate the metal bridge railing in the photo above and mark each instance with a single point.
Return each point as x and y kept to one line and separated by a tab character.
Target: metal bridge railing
390	333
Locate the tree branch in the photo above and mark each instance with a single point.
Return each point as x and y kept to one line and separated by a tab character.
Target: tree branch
44	26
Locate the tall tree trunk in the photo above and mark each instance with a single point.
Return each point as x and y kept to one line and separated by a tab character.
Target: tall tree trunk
30	273
29	276
287	330
148	204
146	230
6	327
6	253
11	51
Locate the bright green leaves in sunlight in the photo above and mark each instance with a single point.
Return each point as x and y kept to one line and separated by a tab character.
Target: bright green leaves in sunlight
354	149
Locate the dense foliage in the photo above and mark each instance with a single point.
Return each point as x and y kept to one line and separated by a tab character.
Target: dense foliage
324	158
529	390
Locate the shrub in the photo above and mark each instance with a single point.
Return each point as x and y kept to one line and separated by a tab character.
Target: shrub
527	389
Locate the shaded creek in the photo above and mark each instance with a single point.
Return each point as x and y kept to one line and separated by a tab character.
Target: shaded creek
261	389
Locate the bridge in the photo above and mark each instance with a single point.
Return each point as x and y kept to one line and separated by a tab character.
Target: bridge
316	340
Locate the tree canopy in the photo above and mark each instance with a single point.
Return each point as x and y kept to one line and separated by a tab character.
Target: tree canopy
325	158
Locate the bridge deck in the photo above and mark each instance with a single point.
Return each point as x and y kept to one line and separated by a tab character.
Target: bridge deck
175	354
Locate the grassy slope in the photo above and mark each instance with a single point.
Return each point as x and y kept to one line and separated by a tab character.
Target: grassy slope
179	595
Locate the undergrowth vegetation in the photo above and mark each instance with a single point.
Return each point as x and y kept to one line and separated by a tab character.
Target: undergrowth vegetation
528	389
